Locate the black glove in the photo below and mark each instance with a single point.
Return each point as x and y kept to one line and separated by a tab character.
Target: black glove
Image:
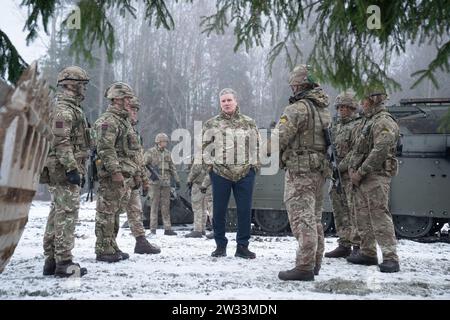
203	189
189	185
177	186
83	181
73	177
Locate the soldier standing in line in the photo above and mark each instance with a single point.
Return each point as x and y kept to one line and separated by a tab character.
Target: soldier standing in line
372	165
134	205
116	150
344	219
160	160
66	165
201	202
303	155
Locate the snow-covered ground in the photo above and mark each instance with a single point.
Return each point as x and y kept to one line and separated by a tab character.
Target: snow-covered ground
185	270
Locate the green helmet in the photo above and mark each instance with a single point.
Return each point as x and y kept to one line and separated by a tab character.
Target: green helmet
119	90
346	98
160	137
374	90
302	74
72	75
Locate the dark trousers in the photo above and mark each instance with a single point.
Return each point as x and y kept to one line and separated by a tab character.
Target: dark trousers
242	192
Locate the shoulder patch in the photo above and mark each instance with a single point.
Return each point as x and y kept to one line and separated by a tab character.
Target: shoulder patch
283	119
105	126
59	124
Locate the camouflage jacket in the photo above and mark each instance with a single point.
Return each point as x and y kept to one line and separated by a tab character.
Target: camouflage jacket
301	136
343	136
71	138
231	162
118	145
161	160
197	174
375	144
140	160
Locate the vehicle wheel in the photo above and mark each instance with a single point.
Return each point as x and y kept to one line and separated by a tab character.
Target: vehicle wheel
412	227
273	221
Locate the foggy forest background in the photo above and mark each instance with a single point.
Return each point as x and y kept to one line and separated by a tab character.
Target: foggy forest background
178	74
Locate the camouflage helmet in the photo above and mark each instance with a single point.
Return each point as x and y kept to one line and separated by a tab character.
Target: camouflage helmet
71	75
160	137
135	103
376	93
346	98
302	74
119	90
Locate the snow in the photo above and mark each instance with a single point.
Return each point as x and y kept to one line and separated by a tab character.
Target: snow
185	269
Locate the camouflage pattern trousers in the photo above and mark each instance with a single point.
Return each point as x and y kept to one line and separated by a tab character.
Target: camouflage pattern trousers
134	214
112	201
344	217
373	218
202	206
160	196
303	197
59	236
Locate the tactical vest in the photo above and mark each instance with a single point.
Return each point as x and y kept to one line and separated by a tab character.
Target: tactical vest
307	152
365	142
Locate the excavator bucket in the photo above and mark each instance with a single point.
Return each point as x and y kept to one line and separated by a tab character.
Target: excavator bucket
25	136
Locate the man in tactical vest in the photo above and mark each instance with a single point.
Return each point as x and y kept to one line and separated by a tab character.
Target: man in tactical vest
160	161
66	168
116	167
141	180
344	219
372	165
303	151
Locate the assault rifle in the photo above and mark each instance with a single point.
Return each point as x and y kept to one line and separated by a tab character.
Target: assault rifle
92	174
331	152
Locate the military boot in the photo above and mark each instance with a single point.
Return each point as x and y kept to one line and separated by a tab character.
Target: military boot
169	232
243	252
355	250
144	247
114	257
123	255
194	234
49	267
296	274
339	252
359	258
219	252
210	235
65	269
389	266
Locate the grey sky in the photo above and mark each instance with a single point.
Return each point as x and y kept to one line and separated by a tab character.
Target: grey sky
12	21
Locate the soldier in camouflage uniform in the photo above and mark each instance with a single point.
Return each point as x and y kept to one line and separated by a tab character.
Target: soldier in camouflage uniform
117	146
134	206
160	159
201	202
231	168
303	156
344	219
372	165
66	166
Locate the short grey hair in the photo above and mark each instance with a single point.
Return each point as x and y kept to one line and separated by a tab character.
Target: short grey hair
227	91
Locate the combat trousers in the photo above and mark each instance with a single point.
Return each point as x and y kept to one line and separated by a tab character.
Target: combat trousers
343	212
112	201
160	197
59	236
373	217
134	214
303	197
202	206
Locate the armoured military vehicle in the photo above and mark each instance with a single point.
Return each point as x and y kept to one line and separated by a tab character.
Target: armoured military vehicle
419	199
24	141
